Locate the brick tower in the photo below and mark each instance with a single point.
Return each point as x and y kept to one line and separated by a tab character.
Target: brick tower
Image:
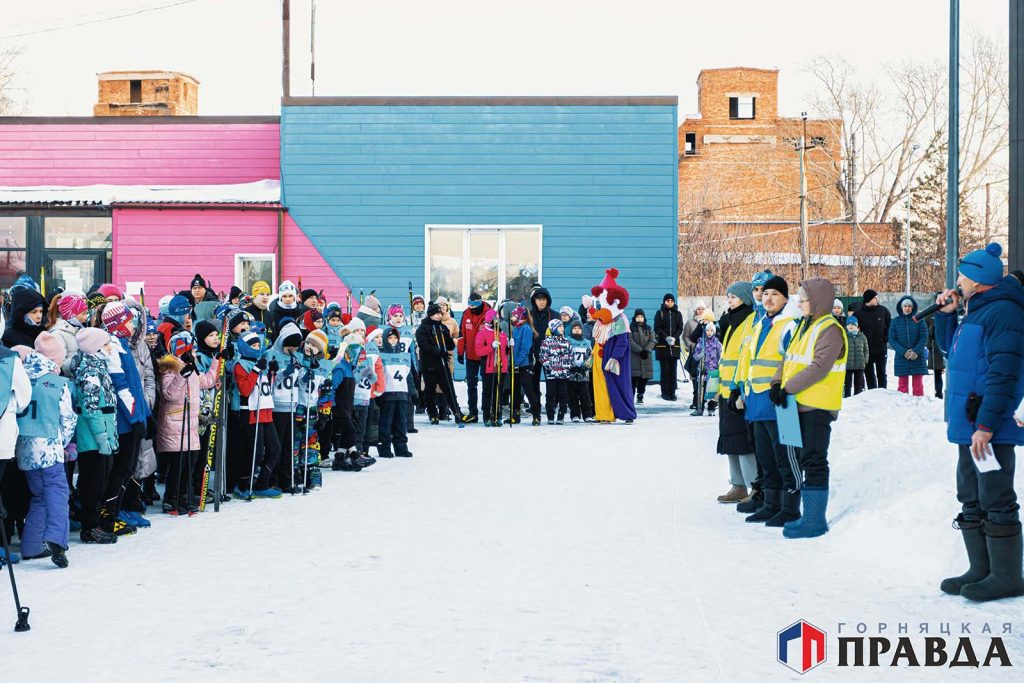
146	93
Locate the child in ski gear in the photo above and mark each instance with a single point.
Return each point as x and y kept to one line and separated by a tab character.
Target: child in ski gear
857	359
394	401
580	405
706	354
909	339
45	433
253	376
310	378
177	319
74	315
96	434
642	341
28	317
492	350
522	355
419	308
312	319
282	362
556	358
353	379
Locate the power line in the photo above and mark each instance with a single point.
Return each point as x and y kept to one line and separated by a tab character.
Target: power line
99	20
763	200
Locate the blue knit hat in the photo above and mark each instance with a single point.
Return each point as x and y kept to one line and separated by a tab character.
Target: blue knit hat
761	278
743	291
984	266
852	320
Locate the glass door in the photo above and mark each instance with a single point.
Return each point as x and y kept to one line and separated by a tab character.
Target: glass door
75	269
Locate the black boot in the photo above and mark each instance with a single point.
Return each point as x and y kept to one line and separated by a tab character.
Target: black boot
789	510
1004	558
977	556
772	505
753	503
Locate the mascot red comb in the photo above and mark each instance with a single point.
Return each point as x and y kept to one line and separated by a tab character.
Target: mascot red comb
613	390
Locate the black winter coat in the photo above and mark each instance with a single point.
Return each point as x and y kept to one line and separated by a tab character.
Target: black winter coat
735	434
874	324
668	322
541	318
434	343
18	331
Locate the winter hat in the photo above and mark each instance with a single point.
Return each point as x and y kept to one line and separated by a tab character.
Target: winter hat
566	310
332	310
372	302
71	305
374	335
852	320
91	339
235	293
260	287
318	339
346	318
555	325
760	279
668	297
151	326
433	309
395	309
287	287
198	281
699	303
203	329
115	318
237	319
309	319
779	284
709	316
869	294
419	298
836	303
165	301
245	349
181	343
710	327
984	266
51	347
519	313
490	315
475	300
439	301
392	332
178	307
110	290
306	293
743	291
356	325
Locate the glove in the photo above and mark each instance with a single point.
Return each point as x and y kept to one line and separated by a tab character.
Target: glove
261	364
227	353
734	396
138	430
71	452
187	370
644	354
777	395
496	344
273	366
511	342
612	366
127	399
150	428
913	355
314	364
671	341
462	359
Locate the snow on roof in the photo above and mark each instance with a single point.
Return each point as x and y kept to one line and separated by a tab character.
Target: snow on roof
259	192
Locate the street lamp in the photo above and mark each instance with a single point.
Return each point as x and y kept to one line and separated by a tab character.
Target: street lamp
907	221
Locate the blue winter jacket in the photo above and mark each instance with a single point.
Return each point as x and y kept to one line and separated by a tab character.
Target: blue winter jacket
986	357
904	335
130	378
523	338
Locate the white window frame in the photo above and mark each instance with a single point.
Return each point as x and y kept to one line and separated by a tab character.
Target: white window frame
273	267
502	229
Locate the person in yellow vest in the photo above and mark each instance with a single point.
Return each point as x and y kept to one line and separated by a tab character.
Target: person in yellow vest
735	438
778	500
812	374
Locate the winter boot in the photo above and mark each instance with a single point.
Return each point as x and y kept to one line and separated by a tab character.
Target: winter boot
753	502
1004	558
112	525
134	518
711	408
384	450
41	555
812	522
267	493
97	535
342	463
977	556
696	412
149	494
239	494
772	504
434	421
360	460
536	421
57	555
733	495
402	450
789	510
470	419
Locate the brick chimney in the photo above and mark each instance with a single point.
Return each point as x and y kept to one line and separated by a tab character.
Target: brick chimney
146	93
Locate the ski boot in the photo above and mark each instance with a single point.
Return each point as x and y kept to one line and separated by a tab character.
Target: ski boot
384	451
360	460
96	535
269	492
434	421
57	555
342	463
112	525
470	419
536	422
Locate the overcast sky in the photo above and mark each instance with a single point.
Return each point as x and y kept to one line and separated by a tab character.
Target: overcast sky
465	47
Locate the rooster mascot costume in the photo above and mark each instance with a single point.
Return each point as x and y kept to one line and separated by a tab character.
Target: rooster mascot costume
613	390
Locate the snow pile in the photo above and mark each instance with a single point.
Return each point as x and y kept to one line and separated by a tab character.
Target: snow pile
259	192
581	552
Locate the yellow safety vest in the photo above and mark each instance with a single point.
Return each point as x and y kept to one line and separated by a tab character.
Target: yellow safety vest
733	354
828	393
764	362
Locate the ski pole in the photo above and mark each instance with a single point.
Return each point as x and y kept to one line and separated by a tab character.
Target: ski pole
255	435
511	377
305	441
21	624
181	463
291	445
188	429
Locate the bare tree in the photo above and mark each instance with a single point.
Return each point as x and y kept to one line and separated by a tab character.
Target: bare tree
9	103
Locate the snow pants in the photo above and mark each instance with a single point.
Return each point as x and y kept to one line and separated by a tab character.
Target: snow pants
557	398
93	473
263	440
392	428
580	404
491	398
524	385
360	415
47	518
816	433
181	466
990	495
121	489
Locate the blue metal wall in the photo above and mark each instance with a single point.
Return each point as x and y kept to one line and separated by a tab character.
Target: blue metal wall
363	181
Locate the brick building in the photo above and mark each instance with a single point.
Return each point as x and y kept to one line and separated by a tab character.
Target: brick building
146	93
739	189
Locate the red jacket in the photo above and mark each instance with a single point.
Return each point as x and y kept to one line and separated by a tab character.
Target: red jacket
472	322
484	339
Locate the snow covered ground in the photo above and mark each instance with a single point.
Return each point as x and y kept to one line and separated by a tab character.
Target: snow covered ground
572	553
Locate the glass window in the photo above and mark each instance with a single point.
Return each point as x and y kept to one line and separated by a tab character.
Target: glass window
11	263
522	266
77	232
483	263
251	268
446	264
741	107
12	232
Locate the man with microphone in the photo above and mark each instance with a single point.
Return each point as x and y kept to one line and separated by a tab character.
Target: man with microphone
986	382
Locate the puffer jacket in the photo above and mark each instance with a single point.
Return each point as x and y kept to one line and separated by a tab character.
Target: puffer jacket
65	332
23	300
484	350
171	414
668	322
907	335
97	404
641	338
556	357
36	453
582	359
857	356
985	353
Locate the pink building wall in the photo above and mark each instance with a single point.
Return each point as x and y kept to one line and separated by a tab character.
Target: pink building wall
138	153
165	248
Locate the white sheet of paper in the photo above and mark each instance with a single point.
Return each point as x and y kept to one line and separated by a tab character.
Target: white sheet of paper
135	288
989	464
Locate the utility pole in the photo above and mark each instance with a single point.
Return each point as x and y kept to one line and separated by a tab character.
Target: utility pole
851	177
286	67
805	261
988	188
312	47
907	222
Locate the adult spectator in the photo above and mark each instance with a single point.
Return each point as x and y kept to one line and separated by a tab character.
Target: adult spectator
986	384
669	331
875	320
472	322
542	315
909	339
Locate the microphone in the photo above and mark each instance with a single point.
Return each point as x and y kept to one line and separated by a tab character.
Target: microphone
931	310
